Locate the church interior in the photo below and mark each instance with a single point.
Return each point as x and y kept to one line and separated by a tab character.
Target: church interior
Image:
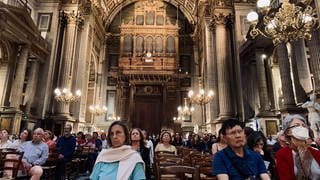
182	65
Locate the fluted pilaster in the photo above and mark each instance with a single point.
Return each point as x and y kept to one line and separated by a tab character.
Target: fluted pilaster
223	66
286	81
65	77
211	70
31	85
17	86
314	50
262	81
297	55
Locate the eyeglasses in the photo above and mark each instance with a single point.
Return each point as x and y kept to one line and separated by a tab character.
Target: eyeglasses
235	132
297	125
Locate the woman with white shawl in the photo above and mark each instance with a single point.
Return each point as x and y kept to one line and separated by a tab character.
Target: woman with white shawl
120	162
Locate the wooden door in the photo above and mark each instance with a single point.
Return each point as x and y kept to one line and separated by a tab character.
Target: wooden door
148	113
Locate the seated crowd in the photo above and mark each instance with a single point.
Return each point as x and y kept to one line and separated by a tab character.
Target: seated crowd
237	153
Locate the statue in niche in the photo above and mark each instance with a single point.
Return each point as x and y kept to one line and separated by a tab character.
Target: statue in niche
314	114
168	21
131	21
220	3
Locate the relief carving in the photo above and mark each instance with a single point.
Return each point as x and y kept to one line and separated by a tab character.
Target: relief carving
75	18
221	19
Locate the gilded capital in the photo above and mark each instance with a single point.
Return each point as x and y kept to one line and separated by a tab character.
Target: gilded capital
72	17
221	19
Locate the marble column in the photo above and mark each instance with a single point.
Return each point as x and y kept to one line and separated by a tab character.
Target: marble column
17	85
17	88
297	55
302	65
262	80
286	81
211	71
314	51
223	67
65	75
32	84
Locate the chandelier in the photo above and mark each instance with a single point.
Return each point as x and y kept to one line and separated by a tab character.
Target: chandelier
66	96
98	110
185	110
202	97
179	118
113	117
286	24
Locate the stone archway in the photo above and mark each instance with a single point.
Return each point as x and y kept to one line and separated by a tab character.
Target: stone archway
4	70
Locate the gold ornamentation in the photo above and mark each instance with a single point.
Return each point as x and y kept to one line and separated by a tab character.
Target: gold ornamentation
289	23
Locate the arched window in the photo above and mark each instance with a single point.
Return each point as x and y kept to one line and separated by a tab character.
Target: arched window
159	46
170	45
139	45
150	18
127	44
149	46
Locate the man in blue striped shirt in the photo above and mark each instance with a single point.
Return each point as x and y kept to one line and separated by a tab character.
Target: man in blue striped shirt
35	154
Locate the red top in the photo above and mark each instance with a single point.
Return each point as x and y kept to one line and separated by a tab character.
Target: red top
284	162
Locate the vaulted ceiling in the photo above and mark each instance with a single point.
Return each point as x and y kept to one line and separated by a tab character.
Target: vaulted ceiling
187	7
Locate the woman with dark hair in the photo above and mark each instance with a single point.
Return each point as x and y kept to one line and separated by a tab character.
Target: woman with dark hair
164	144
257	142
177	140
4	139
81	140
138	143
220	144
120	161
24	136
48	136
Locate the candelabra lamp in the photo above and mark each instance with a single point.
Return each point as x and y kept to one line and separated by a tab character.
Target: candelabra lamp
202	97
284	24
186	110
113	117
66	96
178	119
98	110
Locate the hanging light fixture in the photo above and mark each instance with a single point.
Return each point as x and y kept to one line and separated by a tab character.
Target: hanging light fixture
285	24
66	96
113	117
98	110
185	110
202	97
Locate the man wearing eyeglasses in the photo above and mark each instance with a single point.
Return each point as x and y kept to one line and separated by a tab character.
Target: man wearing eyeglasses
237	161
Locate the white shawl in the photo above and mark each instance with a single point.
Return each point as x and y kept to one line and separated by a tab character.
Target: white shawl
127	157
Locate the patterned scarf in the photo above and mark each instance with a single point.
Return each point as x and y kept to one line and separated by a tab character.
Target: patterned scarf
303	159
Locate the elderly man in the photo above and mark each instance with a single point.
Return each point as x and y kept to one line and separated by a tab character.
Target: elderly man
66	145
35	154
236	161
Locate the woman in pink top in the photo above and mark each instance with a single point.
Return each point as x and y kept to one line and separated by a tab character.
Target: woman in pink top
164	145
48	136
